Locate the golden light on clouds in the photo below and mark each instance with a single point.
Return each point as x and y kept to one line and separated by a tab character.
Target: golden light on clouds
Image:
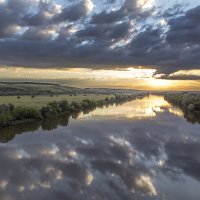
134	78
187	73
159	83
80	73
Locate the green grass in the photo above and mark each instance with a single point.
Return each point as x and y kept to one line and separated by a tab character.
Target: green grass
40	101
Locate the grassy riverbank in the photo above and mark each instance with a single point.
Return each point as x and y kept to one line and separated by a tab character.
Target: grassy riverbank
11	114
189	103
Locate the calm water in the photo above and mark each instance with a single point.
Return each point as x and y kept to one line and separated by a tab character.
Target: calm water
141	150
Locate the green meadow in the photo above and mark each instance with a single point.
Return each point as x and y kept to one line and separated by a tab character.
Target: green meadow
43	100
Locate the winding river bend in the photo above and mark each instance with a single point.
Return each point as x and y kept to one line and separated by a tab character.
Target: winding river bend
143	150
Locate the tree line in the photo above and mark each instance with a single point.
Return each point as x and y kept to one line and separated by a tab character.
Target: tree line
11	115
189	103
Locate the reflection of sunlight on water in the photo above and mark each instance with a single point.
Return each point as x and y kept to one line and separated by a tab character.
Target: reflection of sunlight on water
137	109
149	112
176	111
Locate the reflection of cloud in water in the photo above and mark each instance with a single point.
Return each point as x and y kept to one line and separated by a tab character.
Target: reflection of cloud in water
72	154
21	154
106	159
120	141
3	184
89	178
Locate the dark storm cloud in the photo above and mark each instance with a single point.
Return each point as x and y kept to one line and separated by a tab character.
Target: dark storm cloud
105	32
45	34
11	14
185	29
180	77
73	12
49	14
105	17
39	18
129	9
37	34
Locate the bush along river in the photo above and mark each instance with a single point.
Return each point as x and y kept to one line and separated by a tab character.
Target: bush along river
12	115
143	149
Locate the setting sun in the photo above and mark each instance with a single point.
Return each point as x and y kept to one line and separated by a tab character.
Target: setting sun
159	83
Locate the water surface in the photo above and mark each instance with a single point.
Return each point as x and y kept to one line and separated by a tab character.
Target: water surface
143	150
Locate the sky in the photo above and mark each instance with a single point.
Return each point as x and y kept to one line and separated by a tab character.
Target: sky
139	44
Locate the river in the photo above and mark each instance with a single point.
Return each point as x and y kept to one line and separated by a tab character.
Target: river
141	150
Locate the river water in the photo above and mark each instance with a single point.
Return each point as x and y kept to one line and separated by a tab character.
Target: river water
141	150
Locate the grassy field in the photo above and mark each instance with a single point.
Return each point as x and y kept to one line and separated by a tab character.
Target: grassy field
40	101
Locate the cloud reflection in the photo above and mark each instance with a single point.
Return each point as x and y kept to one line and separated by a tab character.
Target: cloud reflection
108	158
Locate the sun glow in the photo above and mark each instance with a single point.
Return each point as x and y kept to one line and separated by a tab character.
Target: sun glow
159	83
131	77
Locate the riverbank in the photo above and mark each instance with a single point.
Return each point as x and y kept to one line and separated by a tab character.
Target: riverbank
11	115
188	102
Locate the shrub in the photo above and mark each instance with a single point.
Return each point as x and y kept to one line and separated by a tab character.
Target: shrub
9	113
5	119
88	104
4	108
197	106
64	106
55	107
75	107
20	113
46	111
11	107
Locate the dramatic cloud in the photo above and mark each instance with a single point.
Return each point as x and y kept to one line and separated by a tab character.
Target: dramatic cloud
185	29
94	34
